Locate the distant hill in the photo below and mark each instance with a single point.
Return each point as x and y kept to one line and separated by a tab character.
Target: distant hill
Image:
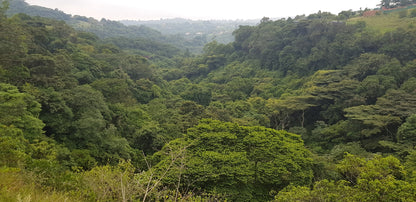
104	28
181	33
20	6
207	30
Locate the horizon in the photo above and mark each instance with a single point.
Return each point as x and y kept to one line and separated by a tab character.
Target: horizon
198	10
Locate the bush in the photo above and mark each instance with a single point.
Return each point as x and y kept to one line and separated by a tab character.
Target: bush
403	14
413	13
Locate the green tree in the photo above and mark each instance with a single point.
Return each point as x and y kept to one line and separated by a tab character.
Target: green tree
22	138
238	88
198	93
367	64
20	110
13	49
400	44
115	90
134	124
385	116
284	112
137	67
377	179
111	183
242	163
375	86
407	131
91	128
374	119
55	113
14	148
410	166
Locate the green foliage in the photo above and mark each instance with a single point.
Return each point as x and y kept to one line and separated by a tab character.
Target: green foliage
114	90
378	179
409	86
373	116
12	50
20	110
399	44
410	166
239	162
136	67
407	131
239	88
367	64
19	185
15	149
117	119
197	93
111	183
375	86
403	14
56	114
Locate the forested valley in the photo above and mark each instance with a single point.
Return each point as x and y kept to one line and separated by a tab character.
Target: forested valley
310	108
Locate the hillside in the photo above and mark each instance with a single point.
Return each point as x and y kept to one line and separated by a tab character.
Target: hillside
182	34
218	30
106	29
311	108
390	21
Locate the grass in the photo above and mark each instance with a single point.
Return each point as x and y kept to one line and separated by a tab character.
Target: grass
15	185
387	22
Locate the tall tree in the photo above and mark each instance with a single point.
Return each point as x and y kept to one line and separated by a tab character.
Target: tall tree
241	163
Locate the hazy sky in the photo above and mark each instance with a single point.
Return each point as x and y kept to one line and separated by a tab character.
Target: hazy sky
200	9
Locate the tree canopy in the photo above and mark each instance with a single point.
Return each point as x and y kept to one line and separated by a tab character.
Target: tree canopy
310	108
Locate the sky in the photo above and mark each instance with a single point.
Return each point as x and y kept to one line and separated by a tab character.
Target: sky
200	9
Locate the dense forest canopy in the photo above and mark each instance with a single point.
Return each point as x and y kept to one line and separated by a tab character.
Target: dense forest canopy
310	108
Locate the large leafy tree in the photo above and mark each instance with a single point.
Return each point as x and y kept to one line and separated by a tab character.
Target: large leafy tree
240	163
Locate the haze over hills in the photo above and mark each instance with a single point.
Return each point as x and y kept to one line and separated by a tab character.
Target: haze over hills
201	9
181	33
208	30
